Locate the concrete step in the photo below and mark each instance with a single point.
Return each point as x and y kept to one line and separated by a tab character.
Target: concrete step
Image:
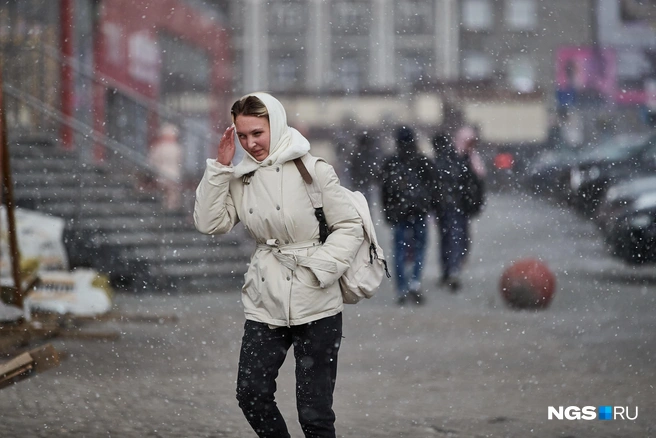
198	254
210	284
134	238
38	149
78	179
100	209
218	277
137	268
150	222
121	231
161	273
86	194
51	164
45	178
238	267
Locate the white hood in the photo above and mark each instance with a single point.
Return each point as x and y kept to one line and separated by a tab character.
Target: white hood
286	143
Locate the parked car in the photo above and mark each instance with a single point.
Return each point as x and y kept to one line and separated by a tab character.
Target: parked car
631	234
621	158
620	196
549	173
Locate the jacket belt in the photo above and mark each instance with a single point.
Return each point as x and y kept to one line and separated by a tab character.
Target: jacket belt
285	255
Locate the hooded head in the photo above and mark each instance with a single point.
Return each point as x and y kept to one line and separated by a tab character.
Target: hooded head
442	145
465	140
267	106
285	143
406	144
366	142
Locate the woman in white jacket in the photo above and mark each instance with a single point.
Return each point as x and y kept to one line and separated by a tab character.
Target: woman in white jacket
291	295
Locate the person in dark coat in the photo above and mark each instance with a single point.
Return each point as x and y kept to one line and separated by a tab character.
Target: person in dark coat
365	164
406	198
457	169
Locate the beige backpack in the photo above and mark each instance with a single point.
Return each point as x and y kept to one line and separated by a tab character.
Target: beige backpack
363	277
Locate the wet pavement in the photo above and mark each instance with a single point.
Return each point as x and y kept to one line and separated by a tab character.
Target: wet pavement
462	365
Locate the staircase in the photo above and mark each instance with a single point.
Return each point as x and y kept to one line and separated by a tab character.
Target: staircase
122	231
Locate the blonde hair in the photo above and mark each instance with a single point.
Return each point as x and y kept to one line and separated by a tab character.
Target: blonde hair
249	106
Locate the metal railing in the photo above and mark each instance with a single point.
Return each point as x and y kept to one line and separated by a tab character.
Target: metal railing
33	74
122	151
191	131
25	66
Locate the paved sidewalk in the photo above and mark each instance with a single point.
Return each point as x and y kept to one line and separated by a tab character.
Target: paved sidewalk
461	366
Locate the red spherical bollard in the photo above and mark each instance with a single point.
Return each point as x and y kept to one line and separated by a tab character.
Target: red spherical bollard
528	284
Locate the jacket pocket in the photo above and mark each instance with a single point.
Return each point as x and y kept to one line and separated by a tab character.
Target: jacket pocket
306	277
251	287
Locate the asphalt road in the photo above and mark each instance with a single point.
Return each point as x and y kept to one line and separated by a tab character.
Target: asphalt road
462	365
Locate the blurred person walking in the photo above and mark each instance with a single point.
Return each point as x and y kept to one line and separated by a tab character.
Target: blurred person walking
407	183
291	295
365	164
165	156
459	172
344	140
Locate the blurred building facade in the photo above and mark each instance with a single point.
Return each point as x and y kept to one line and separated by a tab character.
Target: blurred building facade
86	85
117	68
371	45
493	60
499	63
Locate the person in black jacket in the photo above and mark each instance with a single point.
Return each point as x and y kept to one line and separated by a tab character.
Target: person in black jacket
458	196
406	197
365	164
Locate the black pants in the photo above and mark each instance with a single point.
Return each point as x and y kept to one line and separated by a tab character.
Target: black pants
263	352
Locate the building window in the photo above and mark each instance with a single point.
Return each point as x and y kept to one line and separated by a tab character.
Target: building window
521	14
285	74
477	14
414	17
348	75
413	68
476	66
126	121
351	18
521	74
184	67
286	17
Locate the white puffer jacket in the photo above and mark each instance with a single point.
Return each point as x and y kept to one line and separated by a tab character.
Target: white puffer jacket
292	278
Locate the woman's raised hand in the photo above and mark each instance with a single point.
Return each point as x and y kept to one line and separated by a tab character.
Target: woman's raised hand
227	146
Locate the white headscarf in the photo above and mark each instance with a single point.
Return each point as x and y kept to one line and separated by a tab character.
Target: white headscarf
286	143
463	145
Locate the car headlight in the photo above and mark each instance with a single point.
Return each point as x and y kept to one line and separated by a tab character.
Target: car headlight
647	200
612	194
640	221
575	179
587	175
592	174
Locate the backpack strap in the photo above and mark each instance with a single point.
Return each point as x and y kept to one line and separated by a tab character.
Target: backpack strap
303	171
314	192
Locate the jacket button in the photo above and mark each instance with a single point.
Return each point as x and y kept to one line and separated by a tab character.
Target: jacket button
277	207
250	210
277	169
288	278
262	278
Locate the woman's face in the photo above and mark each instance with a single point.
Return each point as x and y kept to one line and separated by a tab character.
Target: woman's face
254	135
